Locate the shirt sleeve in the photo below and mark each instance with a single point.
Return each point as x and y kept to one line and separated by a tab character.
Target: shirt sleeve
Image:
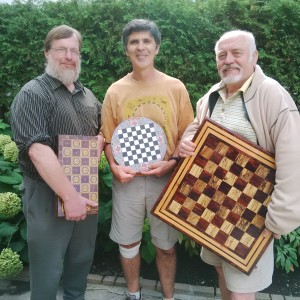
30	119
186	114
108	119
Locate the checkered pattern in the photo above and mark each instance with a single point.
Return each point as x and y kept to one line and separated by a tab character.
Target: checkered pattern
139	144
225	196
78	156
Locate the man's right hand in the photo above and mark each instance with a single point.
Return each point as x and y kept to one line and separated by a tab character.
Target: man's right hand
75	209
122	173
186	148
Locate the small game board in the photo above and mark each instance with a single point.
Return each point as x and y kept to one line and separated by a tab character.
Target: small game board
78	156
138	142
219	196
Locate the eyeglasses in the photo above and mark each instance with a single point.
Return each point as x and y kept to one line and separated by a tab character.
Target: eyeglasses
64	51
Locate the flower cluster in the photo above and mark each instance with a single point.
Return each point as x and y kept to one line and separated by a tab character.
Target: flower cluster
10	263
10	205
4	139
11	152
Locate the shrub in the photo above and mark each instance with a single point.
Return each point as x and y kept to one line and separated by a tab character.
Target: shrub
4	140
10	263
10	205
287	251
11	152
189	30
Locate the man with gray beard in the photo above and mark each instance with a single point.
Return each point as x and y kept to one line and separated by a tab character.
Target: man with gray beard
52	104
257	107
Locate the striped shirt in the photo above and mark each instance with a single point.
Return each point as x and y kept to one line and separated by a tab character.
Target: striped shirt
45	108
231	113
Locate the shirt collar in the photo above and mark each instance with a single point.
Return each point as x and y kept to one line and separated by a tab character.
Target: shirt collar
246	84
55	83
222	90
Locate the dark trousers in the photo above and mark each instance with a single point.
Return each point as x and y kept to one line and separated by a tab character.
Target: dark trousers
57	248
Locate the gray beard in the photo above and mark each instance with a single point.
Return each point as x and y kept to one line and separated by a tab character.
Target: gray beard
232	79
66	76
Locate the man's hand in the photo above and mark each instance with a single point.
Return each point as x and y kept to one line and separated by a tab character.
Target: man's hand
122	173
186	148
160	168
275	235
75	209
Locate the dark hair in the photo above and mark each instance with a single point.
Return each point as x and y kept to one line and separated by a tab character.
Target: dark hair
61	32
138	25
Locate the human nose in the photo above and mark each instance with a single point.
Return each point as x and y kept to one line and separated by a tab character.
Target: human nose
69	54
229	59
140	45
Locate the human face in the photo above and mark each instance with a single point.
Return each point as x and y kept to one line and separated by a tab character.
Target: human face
141	49
64	65
235	62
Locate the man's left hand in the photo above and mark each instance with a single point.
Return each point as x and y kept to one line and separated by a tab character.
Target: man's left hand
160	168
275	235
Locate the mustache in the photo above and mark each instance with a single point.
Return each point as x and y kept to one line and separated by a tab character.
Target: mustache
230	66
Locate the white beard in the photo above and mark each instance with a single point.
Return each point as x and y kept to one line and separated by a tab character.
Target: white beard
232	78
66	76
229	79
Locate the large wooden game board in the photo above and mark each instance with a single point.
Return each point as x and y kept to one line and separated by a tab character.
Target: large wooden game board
219	196
78	156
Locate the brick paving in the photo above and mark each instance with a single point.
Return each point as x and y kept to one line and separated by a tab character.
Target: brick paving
112	288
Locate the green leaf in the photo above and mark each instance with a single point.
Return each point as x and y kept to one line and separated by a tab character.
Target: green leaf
7	229
23	231
11	178
6	165
148	252
17	246
107	179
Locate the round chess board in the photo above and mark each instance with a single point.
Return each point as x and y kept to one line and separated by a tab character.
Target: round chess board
138	142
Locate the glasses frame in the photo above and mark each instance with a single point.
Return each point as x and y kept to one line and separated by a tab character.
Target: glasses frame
63	51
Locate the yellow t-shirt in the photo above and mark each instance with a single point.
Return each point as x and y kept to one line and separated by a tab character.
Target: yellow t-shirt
165	101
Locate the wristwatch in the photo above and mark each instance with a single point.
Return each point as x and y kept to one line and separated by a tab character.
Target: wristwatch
175	158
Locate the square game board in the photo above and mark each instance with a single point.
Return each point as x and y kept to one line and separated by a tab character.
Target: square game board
78	156
219	196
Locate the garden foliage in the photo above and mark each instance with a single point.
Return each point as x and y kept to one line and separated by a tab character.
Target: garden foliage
189	31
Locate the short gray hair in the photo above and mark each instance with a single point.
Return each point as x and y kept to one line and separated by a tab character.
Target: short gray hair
238	32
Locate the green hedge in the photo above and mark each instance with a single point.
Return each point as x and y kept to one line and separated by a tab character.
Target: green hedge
189	31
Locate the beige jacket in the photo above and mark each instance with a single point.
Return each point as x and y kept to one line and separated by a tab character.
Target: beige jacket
276	121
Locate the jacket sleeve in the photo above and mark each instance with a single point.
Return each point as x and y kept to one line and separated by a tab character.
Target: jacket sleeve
283	212
201	112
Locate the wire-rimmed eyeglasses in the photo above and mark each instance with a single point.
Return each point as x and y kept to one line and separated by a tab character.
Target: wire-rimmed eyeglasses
64	51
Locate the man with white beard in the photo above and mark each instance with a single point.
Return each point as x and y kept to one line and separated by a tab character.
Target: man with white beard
52	104
257	107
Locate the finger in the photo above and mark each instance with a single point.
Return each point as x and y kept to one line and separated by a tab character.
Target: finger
92	203
83	217
189	144
128	170
266	232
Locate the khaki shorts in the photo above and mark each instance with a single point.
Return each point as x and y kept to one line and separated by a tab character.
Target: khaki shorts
132	202
238	282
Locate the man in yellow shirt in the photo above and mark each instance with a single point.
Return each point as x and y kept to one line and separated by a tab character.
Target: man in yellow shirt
145	92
